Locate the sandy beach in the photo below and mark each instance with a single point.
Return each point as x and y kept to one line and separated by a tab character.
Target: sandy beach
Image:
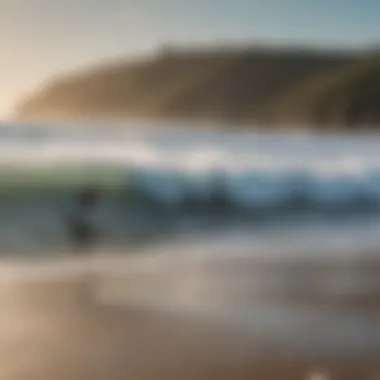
53	330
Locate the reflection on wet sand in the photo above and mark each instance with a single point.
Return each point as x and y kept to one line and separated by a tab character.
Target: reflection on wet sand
83	327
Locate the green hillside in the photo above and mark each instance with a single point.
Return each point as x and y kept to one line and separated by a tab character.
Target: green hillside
348	97
256	85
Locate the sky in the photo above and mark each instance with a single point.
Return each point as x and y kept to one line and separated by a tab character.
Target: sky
41	39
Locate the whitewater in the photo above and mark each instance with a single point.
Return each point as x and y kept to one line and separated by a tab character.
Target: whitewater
161	185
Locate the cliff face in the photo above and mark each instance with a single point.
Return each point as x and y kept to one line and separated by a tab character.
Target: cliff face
271	87
348	96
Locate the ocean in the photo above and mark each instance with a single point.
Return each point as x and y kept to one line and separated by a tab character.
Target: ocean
171	184
274	230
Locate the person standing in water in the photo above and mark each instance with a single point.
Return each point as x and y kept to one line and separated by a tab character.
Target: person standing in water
83	234
81	228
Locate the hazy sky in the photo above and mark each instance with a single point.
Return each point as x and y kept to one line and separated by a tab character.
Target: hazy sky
40	38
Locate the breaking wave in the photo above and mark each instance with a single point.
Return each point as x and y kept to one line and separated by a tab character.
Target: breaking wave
157	182
258	190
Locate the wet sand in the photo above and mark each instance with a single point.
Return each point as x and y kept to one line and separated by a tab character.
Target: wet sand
56	329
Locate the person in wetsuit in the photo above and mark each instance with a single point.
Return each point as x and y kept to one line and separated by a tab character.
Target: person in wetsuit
81	228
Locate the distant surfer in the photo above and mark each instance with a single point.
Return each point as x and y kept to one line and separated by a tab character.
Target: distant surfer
83	233
81	226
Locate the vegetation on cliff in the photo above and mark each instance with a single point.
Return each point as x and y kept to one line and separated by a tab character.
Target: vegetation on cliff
253	85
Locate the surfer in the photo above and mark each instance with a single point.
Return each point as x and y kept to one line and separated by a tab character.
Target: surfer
83	233
81	228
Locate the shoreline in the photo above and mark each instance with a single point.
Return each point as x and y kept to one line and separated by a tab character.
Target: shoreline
49	331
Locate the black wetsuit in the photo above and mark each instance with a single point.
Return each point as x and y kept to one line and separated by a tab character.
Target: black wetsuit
82	234
82	231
